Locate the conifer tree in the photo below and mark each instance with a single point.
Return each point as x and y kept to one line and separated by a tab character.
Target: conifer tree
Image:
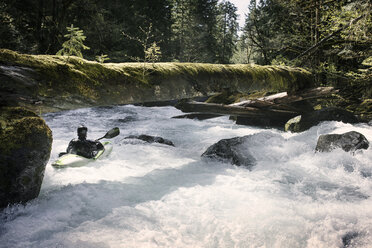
227	31
74	44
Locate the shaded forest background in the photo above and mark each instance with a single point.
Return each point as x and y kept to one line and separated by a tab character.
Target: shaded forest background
332	38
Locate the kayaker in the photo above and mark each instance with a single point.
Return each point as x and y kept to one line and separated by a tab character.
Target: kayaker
82	146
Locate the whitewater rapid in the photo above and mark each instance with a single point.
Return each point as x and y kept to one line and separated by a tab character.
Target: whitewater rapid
154	195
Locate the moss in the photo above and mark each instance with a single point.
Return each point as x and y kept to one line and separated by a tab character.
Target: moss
293	124
59	76
18	125
363	110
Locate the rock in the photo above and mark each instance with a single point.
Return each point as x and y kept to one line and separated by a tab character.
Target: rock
227	150
350	141
24	152
151	139
291	124
303	122
348	239
242	151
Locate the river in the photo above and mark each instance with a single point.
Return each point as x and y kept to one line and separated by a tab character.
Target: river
154	195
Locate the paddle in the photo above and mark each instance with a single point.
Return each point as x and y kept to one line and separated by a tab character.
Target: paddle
109	135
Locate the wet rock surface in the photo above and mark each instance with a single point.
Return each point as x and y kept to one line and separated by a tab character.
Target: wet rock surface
348	240
241	151
306	121
349	142
24	152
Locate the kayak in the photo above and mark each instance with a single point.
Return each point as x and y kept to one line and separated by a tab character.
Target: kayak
73	160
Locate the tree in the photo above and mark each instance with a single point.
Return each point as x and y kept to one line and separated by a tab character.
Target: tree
194	30
181	29
102	58
10	36
74	44
228	29
151	51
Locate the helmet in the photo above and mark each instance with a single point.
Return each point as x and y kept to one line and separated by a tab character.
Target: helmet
82	132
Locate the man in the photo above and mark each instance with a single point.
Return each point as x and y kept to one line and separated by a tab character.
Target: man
82	146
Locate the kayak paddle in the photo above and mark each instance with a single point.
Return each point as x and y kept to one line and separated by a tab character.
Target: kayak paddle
111	133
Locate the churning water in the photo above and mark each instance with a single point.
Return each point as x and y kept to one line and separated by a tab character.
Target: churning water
154	195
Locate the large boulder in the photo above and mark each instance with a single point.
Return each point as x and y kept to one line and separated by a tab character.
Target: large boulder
24	152
349	142
306	121
242	151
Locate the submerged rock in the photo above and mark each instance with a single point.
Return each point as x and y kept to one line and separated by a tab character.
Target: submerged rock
151	139
24	152
349	238
227	150
350	141
241	151
306	121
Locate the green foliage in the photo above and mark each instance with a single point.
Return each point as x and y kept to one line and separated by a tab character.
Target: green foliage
74	44
227	37
203	31
184	30
151	52
10	37
102	58
338	33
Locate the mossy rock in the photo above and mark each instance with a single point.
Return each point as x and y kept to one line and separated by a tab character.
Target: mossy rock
25	148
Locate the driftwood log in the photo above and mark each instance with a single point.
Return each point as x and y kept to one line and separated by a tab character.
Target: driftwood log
272	111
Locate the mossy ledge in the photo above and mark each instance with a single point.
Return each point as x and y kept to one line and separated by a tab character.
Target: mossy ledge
46	83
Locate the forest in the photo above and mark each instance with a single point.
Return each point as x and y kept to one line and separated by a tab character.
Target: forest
331	38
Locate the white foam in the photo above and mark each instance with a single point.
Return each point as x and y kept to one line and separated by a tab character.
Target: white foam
153	195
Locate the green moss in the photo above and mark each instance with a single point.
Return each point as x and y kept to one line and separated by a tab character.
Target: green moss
18	125
92	81
363	110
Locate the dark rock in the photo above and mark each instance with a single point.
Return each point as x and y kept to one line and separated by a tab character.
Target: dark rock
349	141
260	121
347	239
306	121
240	151
24	152
151	139
228	150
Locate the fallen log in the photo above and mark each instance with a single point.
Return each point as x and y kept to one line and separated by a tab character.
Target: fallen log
274	110
283	98
245	115
214	108
198	116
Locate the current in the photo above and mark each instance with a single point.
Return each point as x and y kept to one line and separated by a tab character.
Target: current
154	195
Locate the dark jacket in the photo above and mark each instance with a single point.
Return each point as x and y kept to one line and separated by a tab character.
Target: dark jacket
85	148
